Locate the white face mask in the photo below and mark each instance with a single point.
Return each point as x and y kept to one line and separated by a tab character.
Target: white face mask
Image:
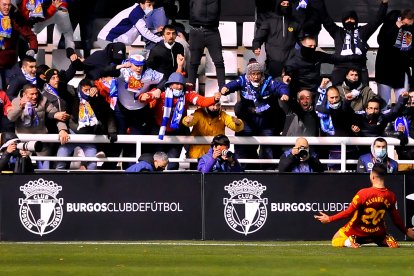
148	10
380	153
335	105
169	46
255	84
177	93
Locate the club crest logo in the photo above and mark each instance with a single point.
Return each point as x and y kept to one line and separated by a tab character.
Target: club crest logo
41	211
245	211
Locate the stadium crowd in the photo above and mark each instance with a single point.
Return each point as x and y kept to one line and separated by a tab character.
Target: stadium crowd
148	92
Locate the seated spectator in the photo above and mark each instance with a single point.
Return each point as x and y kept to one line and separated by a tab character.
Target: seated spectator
378	155
209	121
29	112
219	158
11	158
169	110
150	162
258	108
354	90
300	159
301	118
89	114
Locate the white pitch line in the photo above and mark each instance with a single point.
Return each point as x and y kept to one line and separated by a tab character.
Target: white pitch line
189	244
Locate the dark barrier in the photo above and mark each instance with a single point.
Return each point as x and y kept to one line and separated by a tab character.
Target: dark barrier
100	207
281	206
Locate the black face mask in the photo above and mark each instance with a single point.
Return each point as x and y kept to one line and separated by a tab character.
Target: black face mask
307	52
213	113
350	26
285	11
352	84
373	117
405	27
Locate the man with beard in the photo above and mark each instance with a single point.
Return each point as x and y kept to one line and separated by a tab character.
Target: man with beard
209	121
258	108
379	155
352	39
280	34
352	89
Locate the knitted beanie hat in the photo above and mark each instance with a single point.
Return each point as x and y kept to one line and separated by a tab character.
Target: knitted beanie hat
254	66
50	73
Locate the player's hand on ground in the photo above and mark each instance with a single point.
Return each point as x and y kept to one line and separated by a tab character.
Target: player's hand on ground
324	218
410	233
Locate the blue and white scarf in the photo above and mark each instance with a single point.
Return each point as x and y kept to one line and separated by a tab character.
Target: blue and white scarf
48	88
35	8
5	28
404	40
29	116
326	123
177	115
87	116
113	91
402	121
350	46
29	78
257	96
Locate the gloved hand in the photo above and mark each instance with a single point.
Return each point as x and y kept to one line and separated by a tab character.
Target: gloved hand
30	53
302	4
113	137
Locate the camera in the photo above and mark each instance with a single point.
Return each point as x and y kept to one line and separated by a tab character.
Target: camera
34	146
227	153
303	153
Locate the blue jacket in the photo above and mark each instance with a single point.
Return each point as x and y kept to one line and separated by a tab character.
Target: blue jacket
207	163
145	164
366	162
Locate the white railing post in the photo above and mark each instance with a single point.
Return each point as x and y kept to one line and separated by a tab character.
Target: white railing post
343	156
138	150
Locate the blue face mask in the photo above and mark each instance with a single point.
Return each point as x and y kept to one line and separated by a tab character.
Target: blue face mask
380	153
177	93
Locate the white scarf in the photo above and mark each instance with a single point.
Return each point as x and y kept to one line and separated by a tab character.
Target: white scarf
350	46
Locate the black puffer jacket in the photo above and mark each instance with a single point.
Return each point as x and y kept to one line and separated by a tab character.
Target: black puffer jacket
205	13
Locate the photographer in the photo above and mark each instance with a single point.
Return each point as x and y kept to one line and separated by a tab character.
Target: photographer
219	158
12	159
299	159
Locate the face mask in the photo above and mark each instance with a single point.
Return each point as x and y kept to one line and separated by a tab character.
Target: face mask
350	26
285	11
405	27
373	117
255	84
352	84
380	153
307	52
177	93
148	10
335	105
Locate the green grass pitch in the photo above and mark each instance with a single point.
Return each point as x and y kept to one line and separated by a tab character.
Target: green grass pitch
203	258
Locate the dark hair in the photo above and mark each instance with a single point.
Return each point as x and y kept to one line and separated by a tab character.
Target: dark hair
41	69
374	100
85	82
353	69
381	140
407	14
168	26
28	59
379	169
220	139
143	1
28	86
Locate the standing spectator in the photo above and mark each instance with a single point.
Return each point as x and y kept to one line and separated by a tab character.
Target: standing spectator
204	33
170	108
378	155
41	14
29	112
300	159
219	158
165	54
301	118
363	228
279	33
10	32
352	40
209	121
149	162
392	66
258	108
25	74
89	114
354	90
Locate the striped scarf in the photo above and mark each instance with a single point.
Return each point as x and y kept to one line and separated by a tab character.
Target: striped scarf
29	78
178	112
86	115
29	116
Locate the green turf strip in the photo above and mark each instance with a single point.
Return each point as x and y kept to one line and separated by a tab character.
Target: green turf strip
204	258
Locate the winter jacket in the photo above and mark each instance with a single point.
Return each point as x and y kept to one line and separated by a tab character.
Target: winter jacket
205	13
164	60
145	164
207	163
291	163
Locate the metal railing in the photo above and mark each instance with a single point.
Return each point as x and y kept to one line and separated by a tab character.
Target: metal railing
141	140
